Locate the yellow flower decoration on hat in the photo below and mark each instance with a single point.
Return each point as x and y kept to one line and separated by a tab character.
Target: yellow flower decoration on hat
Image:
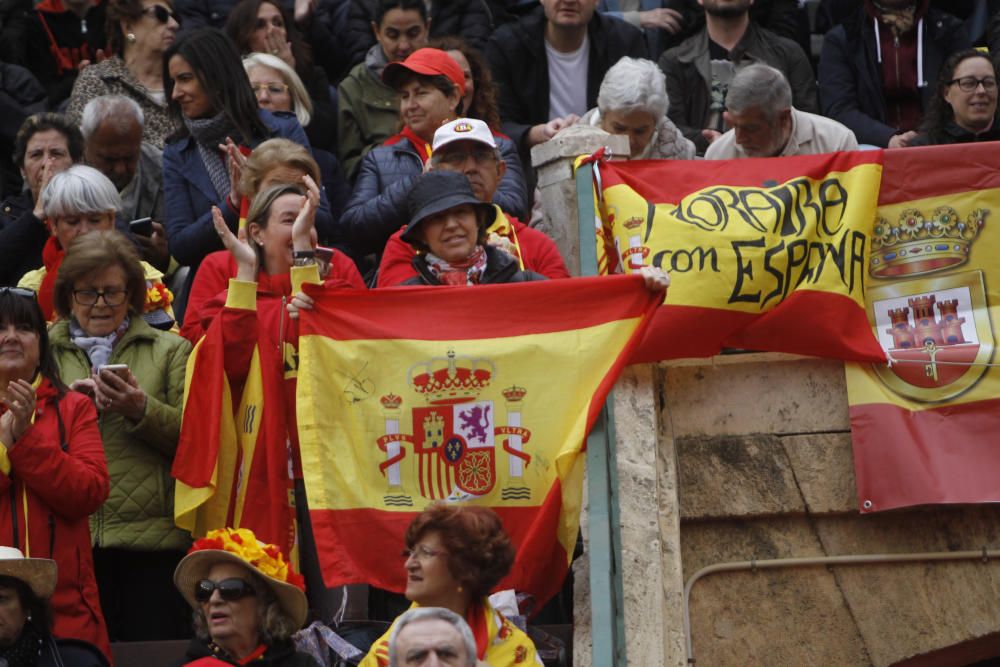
243	543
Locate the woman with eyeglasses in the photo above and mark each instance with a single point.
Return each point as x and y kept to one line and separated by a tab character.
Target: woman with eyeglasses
247	601
455	556
135	376
75	202
279	88
964	108
262	26
139	31
53	473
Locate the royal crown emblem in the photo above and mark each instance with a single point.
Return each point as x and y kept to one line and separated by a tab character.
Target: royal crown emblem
454	434
916	244
935	329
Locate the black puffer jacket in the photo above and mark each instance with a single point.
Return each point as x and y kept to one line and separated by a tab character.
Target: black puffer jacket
469	19
500	268
377	207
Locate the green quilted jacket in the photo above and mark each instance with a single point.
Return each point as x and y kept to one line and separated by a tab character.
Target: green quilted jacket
139	512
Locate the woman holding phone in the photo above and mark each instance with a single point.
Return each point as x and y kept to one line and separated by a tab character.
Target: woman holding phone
135	375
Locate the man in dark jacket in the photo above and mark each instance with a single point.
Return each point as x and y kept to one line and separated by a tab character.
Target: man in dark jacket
699	69
548	66
877	69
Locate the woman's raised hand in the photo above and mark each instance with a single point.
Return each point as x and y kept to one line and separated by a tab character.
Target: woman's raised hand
278	46
305	223
235	162
239	247
20	402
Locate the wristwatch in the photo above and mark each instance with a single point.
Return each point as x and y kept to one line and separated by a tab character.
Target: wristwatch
303	257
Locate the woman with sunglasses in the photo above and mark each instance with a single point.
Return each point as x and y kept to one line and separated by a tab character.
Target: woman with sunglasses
53	473
247	601
139	31
455	556
964	108
99	296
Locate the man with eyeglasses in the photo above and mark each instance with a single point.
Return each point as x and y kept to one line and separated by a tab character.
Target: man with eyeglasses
765	124
467	146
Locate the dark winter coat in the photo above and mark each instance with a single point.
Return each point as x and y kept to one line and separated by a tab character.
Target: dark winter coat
278	655
516	54
22	237
850	82
377	207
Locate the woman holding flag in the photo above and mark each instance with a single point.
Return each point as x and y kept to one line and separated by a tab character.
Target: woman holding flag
237	463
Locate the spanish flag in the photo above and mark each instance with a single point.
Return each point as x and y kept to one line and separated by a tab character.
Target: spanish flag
924	426
763	254
478	395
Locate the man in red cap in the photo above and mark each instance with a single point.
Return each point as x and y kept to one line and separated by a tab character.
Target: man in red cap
467	146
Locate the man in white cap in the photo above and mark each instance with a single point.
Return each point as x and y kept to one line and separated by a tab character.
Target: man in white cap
467	146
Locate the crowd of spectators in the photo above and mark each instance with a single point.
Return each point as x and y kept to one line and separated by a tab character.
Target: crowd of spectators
177	167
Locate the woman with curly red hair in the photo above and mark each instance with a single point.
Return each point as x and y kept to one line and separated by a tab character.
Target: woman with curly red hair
455	555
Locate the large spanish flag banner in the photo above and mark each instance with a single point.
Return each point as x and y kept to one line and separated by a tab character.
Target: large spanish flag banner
925	427
764	254
478	395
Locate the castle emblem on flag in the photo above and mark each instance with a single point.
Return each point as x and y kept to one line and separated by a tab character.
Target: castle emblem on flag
936	331
454	435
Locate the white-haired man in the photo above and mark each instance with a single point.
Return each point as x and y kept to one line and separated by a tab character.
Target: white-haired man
431	637
112	133
765	124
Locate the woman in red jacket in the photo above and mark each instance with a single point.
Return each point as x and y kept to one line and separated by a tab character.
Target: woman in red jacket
52	469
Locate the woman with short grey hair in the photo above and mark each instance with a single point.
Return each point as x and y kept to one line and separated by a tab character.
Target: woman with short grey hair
632	101
75	202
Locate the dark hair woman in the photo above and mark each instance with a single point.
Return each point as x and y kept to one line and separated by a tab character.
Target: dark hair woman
431	86
964	108
262	26
139	31
215	108
455	555
46	144
52	465
480	99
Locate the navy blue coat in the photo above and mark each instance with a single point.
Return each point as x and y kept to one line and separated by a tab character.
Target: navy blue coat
377	208
190	195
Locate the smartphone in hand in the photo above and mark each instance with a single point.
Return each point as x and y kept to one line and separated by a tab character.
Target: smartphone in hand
121	370
142	227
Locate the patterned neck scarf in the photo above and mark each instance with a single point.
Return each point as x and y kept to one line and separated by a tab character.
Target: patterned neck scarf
467	272
26	650
208	133
97	348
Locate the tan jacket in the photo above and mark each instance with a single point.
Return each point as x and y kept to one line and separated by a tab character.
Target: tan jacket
811	135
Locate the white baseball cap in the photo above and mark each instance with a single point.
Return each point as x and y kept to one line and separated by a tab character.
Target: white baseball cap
463	129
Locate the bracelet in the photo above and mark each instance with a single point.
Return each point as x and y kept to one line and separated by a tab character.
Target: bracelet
303	261
304	254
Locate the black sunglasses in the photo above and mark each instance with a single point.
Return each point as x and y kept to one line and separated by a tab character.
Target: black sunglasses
230	590
19	291
162	14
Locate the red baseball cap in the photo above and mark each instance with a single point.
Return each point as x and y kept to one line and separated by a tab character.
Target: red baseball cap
427	62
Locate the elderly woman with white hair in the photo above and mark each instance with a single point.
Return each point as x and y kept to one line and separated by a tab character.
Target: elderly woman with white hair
632	101
75	202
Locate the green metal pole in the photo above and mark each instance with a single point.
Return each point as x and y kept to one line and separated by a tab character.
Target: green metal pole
606	593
